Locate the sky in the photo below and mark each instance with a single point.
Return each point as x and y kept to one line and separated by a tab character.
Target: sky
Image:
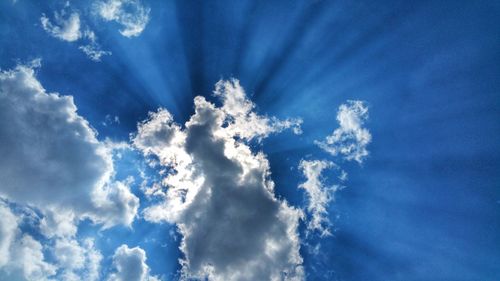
147	140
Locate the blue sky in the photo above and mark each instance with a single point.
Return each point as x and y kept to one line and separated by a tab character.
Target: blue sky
423	204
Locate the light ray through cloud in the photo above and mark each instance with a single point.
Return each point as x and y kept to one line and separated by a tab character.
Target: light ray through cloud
249	140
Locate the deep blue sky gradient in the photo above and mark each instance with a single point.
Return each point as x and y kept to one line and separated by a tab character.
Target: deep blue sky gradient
425	205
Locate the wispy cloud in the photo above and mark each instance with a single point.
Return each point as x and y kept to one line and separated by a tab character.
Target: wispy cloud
65	25
132	15
350	139
318	193
92	49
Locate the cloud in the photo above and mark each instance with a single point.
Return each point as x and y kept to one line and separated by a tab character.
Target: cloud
65	26
92	49
28	260
242	121
52	160
130	14
130	265
21	256
350	139
318	195
77	261
8	228
219	193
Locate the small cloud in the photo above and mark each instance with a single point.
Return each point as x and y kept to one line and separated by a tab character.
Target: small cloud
65	26
130	14
130	265
350	139
318	194
92	49
110	120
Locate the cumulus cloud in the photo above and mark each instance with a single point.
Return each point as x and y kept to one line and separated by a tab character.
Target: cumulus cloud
21	256
65	26
350	139
130	265
52	160
219	193
77	261
28	261
132	15
318	194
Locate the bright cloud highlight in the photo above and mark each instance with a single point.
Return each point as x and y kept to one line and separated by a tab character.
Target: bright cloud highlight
218	192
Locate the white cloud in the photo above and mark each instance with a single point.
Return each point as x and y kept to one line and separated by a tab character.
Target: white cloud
66	26
21	257
219	193
77	261
130	265
92	262
93	49
132	15
8	228
28	262
69	254
318	195
58	223
52	160
242	120
350	139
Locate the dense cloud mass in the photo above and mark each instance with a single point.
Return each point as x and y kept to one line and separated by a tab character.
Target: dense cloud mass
350	139
218	191
51	157
52	162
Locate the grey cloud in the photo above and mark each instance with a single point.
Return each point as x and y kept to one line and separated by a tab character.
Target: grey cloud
220	195
51	158
130	265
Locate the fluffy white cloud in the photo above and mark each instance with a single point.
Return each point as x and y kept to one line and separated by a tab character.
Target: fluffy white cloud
92	261
219	193
318	195
65	26
21	256
77	261
58	223
51	158
350	139
132	15
27	262
130	265
241	120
